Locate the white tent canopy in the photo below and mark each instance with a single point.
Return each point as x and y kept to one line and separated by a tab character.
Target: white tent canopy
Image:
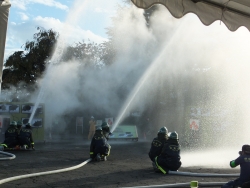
233	13
4	14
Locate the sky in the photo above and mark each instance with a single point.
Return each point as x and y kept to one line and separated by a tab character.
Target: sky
26	15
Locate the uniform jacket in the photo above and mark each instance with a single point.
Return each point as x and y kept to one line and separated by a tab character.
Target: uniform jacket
26	133
11	132
170	155
156	146
99	144
244	162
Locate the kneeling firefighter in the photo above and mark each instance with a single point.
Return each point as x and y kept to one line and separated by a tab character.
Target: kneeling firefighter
158	143
169	159
99	147
11	133
106	130
25	137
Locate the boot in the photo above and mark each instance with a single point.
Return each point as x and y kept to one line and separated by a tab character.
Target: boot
104	158
156	169
98	157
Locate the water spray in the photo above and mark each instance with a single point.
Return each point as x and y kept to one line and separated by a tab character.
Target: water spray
55	59
59	50
140	83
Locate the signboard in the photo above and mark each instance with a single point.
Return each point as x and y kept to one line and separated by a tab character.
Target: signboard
194	124
36	122
125	132
29	109
9	108
110	121
18	111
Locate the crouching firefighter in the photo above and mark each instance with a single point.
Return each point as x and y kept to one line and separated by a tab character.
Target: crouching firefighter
244	162
106	130
169	159
158	143
10	140
99	147
25	137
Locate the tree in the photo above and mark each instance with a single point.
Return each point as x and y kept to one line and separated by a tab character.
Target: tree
27	66
89	54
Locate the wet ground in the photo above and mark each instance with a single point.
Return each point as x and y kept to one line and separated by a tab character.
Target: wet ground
127	166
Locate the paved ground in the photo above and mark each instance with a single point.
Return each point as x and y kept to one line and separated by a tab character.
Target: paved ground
127	166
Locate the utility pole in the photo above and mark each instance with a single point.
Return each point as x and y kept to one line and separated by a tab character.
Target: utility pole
4	15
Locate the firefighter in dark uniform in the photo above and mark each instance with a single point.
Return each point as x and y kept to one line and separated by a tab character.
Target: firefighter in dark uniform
19	126
244	161
157	143
99	147
25	137
106	130
169	159
11	133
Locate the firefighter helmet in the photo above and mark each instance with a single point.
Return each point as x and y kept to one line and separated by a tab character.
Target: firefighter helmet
28	126
163	130
13	123
19	124
105	124
105	127
246	149
174	135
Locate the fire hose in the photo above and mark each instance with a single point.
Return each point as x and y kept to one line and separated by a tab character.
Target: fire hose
44	173
10	156
200	184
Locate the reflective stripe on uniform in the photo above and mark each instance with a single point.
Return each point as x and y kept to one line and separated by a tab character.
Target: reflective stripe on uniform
108	152
4	145
160	168
91	153
32	143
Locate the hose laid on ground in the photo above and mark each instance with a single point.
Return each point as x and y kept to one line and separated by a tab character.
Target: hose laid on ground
11	156
200	184
202	174
43	173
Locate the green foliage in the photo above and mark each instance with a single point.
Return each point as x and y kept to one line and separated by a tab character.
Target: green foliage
86	53
27	66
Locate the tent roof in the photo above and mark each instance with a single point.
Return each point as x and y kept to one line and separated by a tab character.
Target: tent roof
233	13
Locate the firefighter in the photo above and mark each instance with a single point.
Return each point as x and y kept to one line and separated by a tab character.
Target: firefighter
11	133
157	143
99	147
244	161
169	159
92	127
106	130
19	126
25	138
